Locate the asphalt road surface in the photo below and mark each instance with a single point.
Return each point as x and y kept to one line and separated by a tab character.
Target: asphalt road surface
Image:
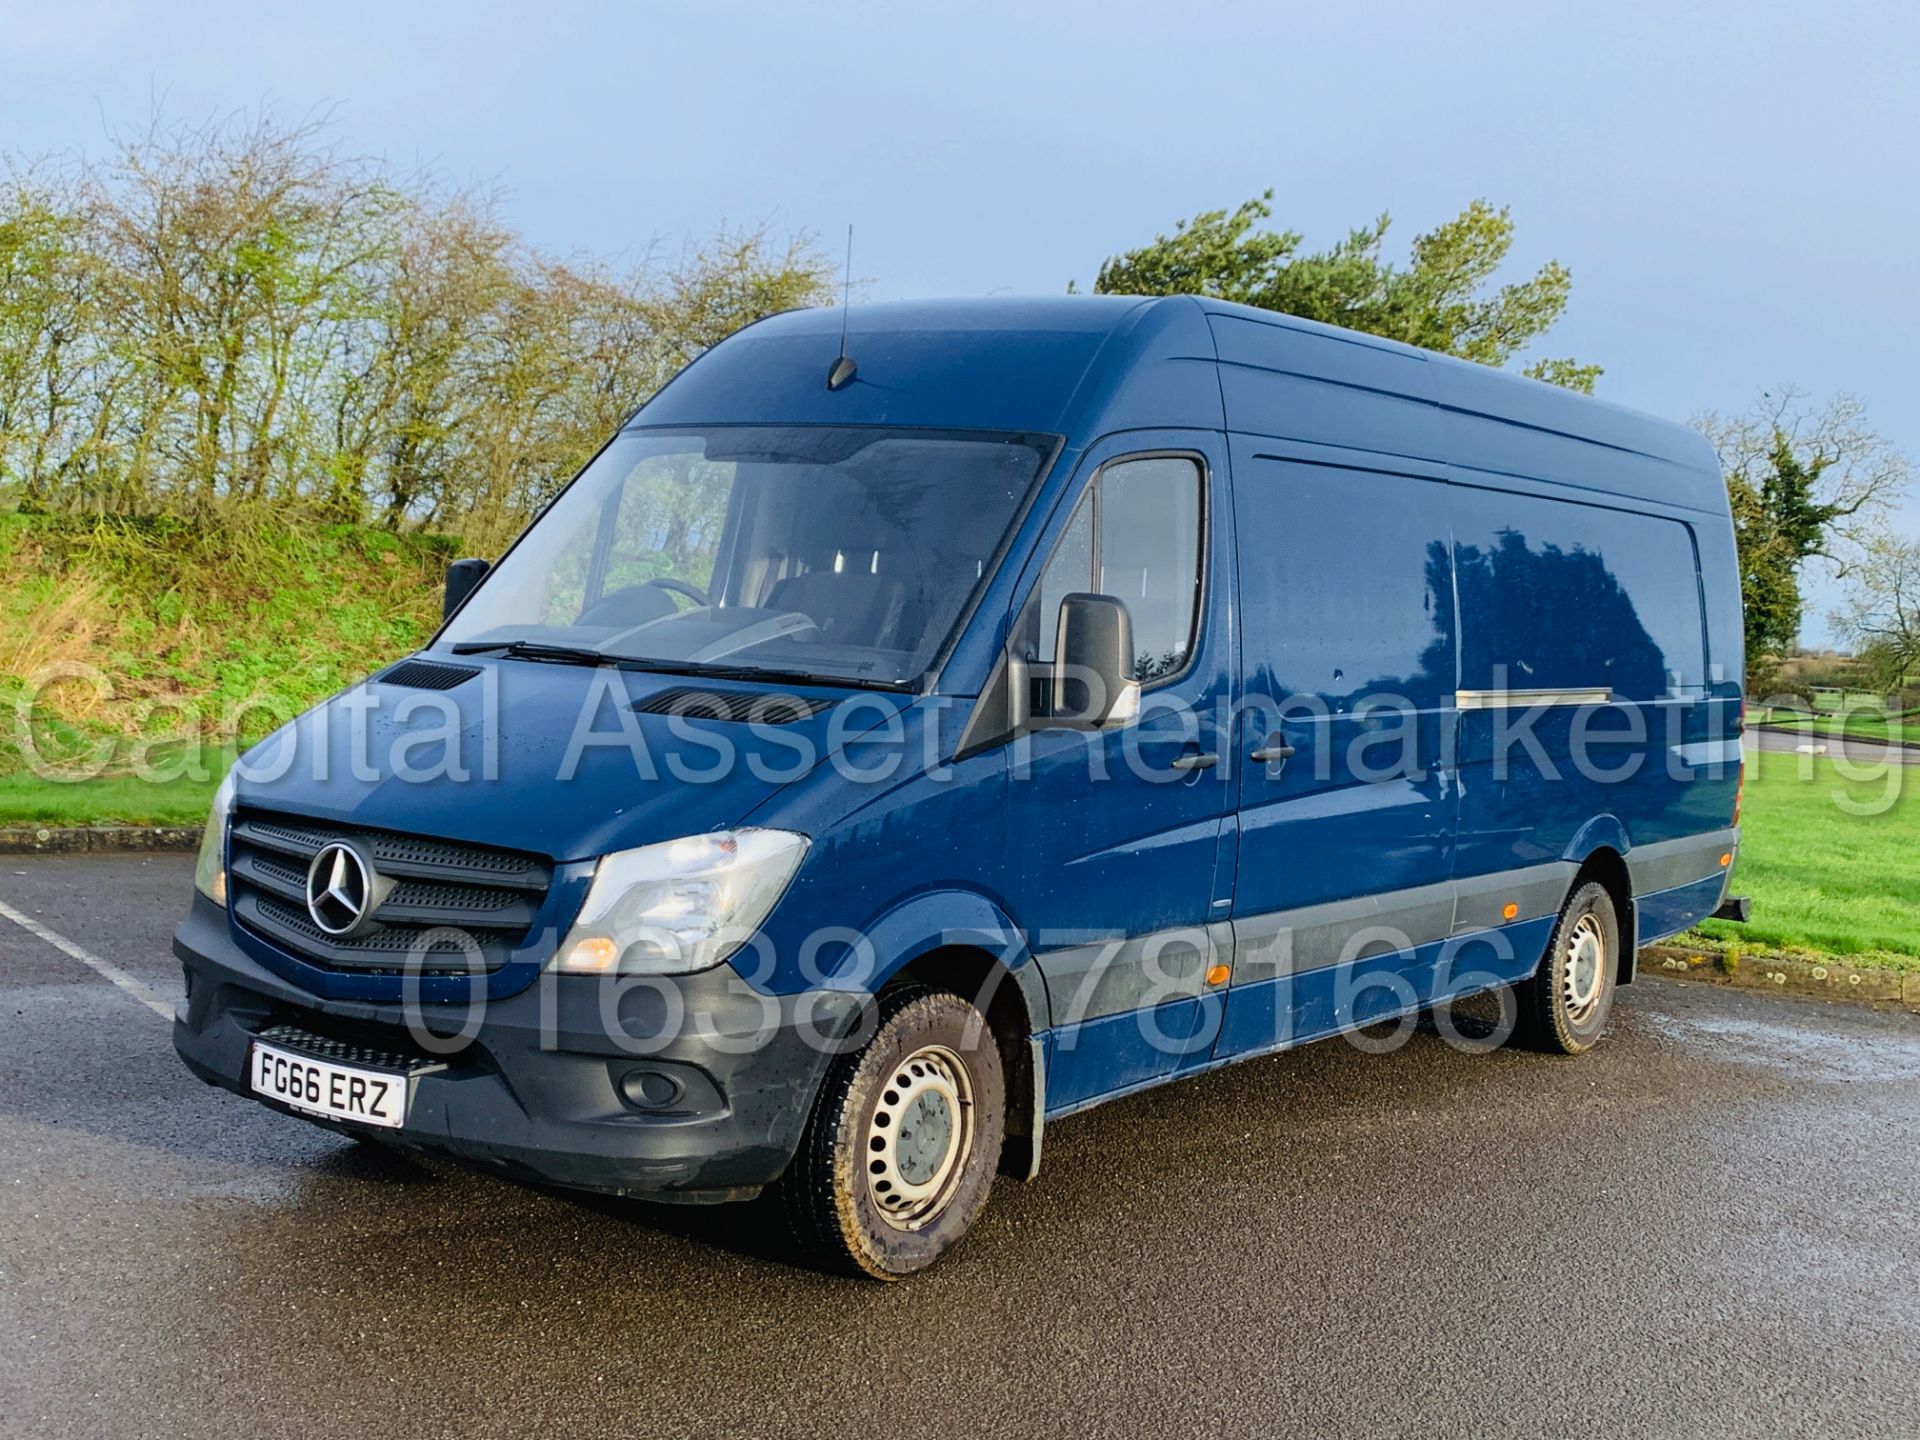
1707	1227
1858	752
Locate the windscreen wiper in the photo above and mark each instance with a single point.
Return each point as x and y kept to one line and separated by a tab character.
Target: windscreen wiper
712	671
537	650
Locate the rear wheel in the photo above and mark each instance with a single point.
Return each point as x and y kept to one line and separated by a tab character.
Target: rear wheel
900	1152
1564	1005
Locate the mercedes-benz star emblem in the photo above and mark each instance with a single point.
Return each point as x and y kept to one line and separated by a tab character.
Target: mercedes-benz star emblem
340	894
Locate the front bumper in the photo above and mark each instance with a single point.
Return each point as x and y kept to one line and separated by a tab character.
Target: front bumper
694	1088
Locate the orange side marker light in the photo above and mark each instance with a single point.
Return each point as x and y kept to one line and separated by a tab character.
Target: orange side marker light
1509	910
1217	975
1726	860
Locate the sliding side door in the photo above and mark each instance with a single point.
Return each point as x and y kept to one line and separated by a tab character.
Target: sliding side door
1347	799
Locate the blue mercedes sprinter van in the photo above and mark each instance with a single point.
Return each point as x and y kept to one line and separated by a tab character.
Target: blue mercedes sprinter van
894	741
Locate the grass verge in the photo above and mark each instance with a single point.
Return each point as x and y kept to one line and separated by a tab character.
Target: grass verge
1830	853
127	638
175	795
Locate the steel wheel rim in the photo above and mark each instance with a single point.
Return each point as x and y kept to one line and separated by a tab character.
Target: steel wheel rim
1585	976
919	1137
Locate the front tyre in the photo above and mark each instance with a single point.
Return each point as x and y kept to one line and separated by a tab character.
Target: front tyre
900	1152
1564	1005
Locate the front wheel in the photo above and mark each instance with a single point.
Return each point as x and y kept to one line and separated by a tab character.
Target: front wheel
1565	1003
900	1152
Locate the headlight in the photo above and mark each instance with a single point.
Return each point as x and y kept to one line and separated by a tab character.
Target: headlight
681	906
210	869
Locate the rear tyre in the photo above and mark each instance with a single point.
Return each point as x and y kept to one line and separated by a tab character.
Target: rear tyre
900	1152
1564	1005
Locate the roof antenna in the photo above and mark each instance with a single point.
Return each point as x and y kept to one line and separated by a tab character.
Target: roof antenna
843	368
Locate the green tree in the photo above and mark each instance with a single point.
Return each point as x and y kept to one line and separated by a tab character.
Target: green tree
1443	299
1804	484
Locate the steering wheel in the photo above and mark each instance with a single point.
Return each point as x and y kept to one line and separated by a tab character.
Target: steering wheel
682	587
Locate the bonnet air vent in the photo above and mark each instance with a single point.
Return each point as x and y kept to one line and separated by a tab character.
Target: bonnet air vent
743	706
426	675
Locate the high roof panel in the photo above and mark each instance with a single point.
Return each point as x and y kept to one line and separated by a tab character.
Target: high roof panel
1297	379
1084	365
998	364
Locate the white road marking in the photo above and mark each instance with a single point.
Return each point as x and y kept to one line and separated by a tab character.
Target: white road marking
138	989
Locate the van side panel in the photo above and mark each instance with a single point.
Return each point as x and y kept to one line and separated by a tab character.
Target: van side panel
1522	404
1560	603
1647	560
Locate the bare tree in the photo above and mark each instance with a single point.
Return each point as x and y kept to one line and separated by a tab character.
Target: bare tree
235	311
1803	482
1882	618
1857	475
61	378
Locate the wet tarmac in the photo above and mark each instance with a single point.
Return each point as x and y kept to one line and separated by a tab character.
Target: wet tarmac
1707	1227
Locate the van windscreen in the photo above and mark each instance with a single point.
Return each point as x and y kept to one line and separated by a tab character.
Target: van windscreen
843	554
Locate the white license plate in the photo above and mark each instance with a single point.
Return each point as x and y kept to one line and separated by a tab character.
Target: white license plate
340	1092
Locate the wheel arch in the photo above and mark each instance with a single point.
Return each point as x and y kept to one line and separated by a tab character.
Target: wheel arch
1608	866
963	942
1003	995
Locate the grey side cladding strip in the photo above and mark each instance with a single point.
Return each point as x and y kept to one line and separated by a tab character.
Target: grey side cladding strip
1311	937
1480	901
1287	942
1111	977
1666	864
1092	981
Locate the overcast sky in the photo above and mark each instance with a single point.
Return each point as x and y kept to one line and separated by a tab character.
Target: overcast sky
1733	185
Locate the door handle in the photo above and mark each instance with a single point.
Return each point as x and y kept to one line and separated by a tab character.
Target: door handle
1195	762
1267	754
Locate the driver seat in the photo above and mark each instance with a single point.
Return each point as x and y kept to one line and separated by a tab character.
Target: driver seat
851	608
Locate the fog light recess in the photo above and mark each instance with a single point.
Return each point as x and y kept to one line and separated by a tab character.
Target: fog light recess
650	1089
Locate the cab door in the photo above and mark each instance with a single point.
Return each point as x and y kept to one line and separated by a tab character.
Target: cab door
1116	836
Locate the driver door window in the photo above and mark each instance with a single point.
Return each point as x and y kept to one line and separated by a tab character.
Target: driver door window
1135	535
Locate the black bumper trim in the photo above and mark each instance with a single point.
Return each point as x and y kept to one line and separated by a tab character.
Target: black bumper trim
546	1089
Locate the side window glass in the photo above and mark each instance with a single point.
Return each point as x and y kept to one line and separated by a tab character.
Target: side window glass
1149	557
1135	536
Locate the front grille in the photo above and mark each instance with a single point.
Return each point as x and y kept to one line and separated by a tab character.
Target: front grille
451	909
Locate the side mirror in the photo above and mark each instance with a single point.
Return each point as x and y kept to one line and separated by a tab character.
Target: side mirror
462	576
1093	684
